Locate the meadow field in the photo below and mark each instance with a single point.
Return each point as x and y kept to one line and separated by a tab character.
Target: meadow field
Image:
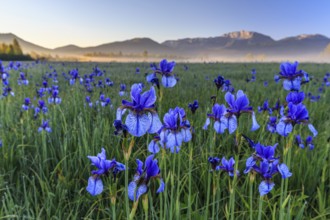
45	168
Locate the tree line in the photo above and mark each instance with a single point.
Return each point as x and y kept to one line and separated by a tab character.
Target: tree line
12	52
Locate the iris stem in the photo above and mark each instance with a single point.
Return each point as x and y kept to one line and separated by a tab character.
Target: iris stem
260	207
251	195
145	205
133	211
190	170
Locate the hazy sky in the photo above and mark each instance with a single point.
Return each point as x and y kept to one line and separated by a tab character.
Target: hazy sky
53	23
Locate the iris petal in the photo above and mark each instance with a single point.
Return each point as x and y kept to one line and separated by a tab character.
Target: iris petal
153	147
95	186
148	98
137	124
284	171
131	190
232	124
156	124
219	127
313	130
265	187
161	186
283	128
168	81
255	125
141	190
207	123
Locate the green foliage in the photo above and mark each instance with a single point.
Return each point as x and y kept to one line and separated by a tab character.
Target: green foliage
44	176
12	52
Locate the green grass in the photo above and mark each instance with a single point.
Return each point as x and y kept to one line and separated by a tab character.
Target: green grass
44	176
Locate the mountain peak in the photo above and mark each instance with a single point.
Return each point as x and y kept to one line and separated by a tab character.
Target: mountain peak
240	34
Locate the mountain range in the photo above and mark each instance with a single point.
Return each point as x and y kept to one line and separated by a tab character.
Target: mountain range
239	45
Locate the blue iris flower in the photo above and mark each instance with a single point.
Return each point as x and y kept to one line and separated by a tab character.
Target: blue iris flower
104	167
176	129
166	70
271	125
122	91
218	115
139	185
193	106
108	82
214	161
54	99
236	108
152	78
41	107
74	76
26	105
228	166
308	142
120	128
105	101
264	162
142	116
295	97
224	84
265	107
45	126
296	114
89	101
22	79
292	77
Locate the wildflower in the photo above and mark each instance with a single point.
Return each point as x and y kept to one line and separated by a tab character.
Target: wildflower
108	82
74	76
26	104
54	99
236	108
105	101
218	115
166	70
271	125
222	83
120	127
176	129
265	107
214	161
142	116
122	91
139	185
89	102
295	97
44	126
7	90
228	166
265	83
193	106
296	114
264	162
152	78
292	77
308	142
104	167
40	108
22	80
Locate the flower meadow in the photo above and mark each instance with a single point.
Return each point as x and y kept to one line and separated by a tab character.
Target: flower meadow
164	140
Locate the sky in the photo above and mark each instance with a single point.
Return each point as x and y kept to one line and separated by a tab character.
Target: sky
55	23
